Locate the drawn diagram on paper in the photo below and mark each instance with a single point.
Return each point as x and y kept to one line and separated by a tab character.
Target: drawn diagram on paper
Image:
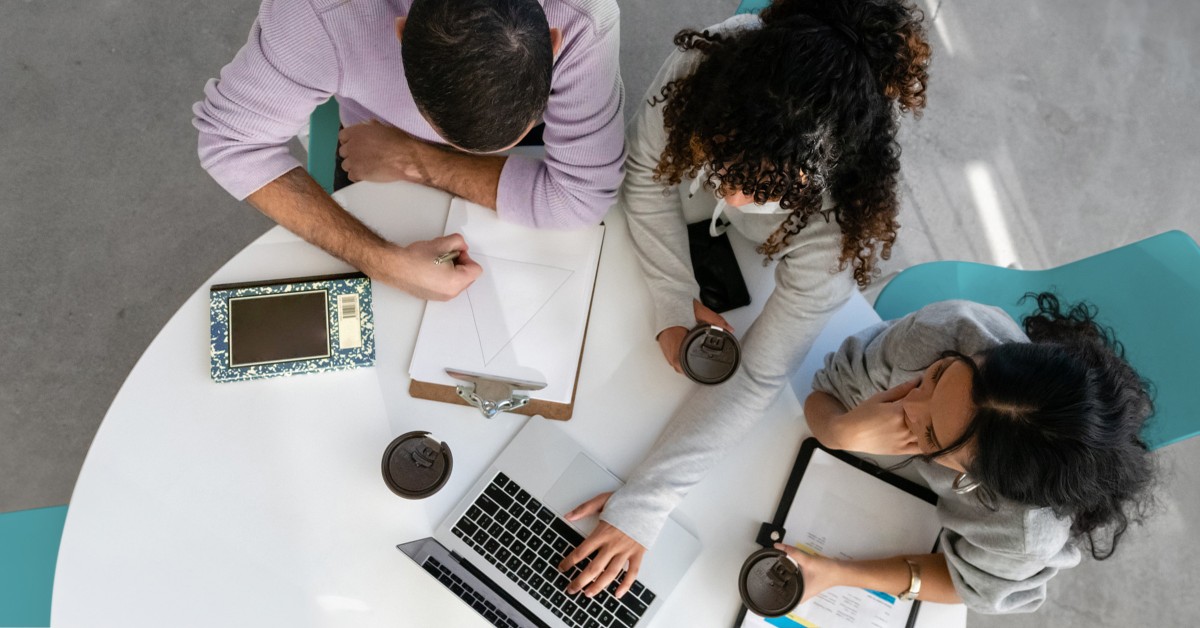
507	296
524	317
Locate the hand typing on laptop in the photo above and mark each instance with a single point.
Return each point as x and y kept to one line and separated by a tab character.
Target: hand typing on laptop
502	549
613	548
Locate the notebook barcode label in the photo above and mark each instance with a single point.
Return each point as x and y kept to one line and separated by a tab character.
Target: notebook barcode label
348	303
349	326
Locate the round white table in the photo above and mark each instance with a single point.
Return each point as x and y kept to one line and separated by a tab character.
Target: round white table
261	503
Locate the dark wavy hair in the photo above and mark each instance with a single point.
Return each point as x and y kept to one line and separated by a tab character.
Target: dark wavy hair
808	103
479	70
1058	423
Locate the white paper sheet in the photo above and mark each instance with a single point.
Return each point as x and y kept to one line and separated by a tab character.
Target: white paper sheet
525	317
842	512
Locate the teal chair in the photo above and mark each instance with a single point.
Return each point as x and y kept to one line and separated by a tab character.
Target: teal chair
752	6
1148	292
323	127
29	542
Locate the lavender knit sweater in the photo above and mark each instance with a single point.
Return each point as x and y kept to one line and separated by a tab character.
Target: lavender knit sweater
302	51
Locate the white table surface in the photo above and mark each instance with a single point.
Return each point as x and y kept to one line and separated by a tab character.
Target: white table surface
261	503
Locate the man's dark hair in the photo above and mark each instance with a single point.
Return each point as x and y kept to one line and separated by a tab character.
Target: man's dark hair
479	70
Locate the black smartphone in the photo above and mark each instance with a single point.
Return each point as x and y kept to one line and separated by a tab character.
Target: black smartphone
722	287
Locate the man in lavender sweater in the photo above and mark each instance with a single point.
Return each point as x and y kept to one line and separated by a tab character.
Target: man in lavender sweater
471	78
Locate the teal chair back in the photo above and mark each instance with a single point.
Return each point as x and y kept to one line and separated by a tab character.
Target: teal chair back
323	127
1148	292
29	541
752	6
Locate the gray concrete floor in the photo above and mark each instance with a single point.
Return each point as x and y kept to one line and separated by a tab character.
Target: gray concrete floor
1054	130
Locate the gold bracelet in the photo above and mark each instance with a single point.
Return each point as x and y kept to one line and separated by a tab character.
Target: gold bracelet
914	581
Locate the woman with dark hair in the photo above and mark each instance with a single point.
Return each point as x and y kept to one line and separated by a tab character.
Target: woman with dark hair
1031	439
789	122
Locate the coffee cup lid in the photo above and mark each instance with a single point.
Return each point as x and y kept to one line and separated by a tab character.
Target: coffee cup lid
771	584
709	354
416	465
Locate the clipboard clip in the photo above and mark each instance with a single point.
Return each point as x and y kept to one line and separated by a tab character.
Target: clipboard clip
490	394
769	534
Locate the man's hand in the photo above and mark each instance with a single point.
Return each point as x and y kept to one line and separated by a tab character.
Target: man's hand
411	268
374	151
613	550
877	425
670	340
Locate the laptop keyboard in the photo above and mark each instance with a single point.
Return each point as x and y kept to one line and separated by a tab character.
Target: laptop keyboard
526	541
468	594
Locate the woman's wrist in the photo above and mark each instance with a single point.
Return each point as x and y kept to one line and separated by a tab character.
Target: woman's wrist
823	411
838	573
890	575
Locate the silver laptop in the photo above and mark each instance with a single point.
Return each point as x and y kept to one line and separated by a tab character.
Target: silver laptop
500	547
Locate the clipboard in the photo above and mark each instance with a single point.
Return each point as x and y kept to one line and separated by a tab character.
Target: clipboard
773	531
475	393
492	395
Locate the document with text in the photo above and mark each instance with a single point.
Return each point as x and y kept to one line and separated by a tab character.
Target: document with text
845	510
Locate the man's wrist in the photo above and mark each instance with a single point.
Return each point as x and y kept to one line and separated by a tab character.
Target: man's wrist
382	259
426	160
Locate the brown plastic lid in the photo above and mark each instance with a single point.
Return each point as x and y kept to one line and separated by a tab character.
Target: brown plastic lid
416	465
709	354
771	584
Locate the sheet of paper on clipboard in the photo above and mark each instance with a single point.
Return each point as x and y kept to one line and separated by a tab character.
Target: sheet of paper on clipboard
525	317
840	510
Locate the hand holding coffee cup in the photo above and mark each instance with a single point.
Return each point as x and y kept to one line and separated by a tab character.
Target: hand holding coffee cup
670	340
771	583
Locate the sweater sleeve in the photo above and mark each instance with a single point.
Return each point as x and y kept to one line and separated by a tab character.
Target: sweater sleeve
715	418
887	353
264	97
1003	566
577	181
655	214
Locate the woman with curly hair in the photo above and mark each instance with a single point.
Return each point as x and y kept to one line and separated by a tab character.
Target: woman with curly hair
1031	439
789	120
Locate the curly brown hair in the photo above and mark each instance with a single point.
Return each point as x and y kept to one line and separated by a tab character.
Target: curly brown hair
806	104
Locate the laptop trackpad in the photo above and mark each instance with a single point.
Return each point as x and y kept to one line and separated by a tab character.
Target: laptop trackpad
582	480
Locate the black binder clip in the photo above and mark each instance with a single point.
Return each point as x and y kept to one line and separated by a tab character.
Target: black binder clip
769	534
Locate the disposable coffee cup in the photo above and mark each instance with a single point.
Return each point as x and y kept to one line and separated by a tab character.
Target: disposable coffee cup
771	583
416	465
709	354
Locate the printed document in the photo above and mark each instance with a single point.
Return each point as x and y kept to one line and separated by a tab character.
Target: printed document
843	512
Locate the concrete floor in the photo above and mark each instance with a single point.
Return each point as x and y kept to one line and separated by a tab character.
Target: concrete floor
1054	130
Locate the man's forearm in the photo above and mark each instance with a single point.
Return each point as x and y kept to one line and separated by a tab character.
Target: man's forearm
473	177
891	575
300	205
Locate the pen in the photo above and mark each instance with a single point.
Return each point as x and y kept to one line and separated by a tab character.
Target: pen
448	256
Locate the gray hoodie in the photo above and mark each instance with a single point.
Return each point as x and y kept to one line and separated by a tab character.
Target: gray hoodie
1001	559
